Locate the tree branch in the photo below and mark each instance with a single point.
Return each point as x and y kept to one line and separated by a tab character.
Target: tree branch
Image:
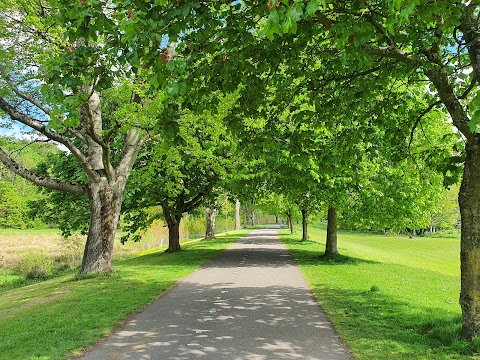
29	144
92	110
193	203
36	103
132	145
23	95
350	77
34	31
419	118
41	128
468	89
325	21
49	183
447	95
392	53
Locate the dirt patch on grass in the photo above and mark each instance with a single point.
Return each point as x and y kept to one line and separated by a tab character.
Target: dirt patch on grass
47	298
14	302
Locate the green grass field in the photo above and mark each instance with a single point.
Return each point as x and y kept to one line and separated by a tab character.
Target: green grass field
389	297
57	318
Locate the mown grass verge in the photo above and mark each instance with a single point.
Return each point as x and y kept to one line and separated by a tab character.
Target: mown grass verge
58	318
389	297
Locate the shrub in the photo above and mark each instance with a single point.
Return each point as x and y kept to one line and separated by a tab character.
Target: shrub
71	249
36	264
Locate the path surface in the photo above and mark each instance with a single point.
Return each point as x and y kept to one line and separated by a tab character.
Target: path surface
251	302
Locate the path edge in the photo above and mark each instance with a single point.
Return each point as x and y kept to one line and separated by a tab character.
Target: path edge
312	295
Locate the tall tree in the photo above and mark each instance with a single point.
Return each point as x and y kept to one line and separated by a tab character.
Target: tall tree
179	170
210	217
237	215
76	123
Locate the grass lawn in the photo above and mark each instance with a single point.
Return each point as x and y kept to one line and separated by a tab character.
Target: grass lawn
57	318
389	297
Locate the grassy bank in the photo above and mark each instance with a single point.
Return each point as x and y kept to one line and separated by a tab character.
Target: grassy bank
389	297
57	318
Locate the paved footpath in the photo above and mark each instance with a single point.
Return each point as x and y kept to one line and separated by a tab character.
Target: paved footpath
251	302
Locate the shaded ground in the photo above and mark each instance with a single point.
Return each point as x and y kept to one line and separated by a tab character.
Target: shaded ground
249	303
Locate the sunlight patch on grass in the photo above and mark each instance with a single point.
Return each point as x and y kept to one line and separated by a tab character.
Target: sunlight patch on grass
389	297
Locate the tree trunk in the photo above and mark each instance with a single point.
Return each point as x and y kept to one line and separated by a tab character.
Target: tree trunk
174	237
290	221
210	216
91	117
245	223
173	223
276	219
252	218
469	201
237	215
304	224
331	244
105	205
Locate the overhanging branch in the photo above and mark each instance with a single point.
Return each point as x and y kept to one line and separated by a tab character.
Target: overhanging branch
42	129
419	118
54	184
392	53
22	94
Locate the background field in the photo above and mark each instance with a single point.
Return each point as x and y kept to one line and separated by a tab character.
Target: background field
37	254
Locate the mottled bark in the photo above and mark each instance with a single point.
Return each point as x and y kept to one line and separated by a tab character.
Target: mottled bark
237	215
105	204
106	187
304	224
469	200
332	238
210	217
105	198
91	120
174	237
